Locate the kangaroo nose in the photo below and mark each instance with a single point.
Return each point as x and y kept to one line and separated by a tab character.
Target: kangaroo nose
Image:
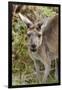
33	46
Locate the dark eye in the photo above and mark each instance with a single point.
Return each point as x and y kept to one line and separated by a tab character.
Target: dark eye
28	35
39	35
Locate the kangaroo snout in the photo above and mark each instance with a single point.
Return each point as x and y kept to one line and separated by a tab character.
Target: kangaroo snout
33	47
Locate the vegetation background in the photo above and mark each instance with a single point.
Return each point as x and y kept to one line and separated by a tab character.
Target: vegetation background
23	70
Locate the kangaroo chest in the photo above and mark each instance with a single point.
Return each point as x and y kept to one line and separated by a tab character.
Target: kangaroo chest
36	56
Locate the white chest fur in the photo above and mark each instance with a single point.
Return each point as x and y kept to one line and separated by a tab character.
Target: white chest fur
35	56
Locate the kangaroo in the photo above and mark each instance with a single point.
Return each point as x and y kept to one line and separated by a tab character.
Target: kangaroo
42	43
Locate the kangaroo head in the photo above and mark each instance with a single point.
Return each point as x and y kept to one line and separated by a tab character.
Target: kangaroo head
34	36
34	33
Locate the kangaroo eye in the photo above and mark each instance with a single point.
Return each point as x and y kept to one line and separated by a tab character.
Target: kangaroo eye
39	35
28	34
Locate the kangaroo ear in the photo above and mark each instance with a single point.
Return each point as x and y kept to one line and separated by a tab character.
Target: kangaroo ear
25	20
49	23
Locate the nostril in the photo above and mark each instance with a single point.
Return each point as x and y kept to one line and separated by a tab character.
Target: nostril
33	45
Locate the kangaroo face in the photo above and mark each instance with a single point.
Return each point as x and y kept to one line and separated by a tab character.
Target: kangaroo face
34	39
